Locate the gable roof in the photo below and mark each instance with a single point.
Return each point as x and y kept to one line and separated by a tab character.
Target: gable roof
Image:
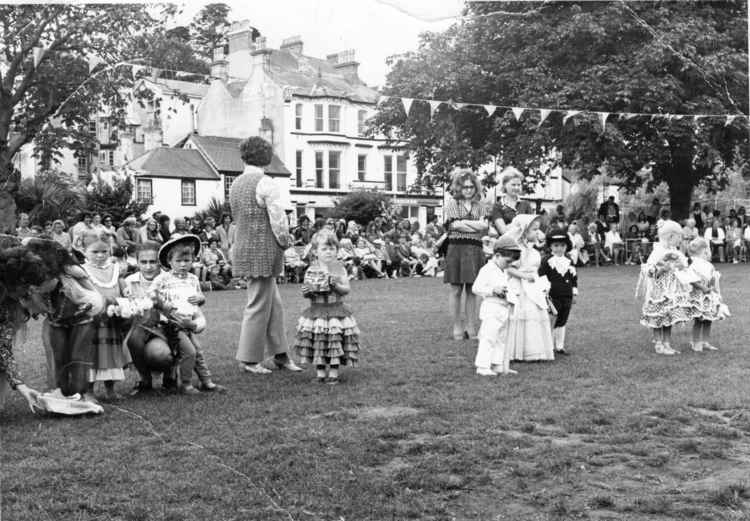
310	76
177	163
223	153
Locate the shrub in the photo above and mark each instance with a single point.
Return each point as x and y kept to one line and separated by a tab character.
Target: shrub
362	207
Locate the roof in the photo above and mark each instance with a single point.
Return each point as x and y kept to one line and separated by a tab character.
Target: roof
189	88
224	155
178	163
310	76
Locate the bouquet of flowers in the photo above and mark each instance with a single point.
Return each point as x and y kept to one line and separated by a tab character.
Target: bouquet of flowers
129	307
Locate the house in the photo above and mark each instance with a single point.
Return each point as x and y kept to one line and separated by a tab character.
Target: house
314	112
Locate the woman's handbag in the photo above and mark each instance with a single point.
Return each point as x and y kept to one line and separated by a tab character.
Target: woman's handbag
441	245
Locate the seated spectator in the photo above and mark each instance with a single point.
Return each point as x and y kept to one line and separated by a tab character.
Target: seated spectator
734	240
181	227
127	234
382	254
293	263
614	245
369	264
594	245
59	234
348	256
577	253
689	232
637	253
391	249
716	239
219	269
426	266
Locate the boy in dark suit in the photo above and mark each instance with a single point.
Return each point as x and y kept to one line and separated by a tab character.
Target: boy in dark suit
559	269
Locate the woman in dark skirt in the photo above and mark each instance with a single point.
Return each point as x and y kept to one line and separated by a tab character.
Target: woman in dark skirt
509	203
466	222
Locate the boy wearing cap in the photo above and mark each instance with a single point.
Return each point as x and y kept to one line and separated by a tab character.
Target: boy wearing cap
493	356
558	268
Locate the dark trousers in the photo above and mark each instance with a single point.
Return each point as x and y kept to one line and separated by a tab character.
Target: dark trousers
73	350
563	305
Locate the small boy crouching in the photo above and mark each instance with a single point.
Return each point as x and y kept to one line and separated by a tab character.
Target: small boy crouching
178	295
491	283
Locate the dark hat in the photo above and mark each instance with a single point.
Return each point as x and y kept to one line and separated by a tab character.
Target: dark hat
188	239
559	236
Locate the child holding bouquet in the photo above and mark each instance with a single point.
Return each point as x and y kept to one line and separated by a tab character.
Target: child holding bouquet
666	281
705	296
327	334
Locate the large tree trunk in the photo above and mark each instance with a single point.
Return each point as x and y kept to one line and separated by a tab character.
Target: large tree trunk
9	182
680	195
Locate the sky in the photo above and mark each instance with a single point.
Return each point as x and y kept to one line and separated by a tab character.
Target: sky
375	29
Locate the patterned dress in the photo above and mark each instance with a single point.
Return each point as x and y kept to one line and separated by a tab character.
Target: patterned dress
327	333
111	354
706	306
667	301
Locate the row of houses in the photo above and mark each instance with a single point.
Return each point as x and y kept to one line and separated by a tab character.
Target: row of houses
182	146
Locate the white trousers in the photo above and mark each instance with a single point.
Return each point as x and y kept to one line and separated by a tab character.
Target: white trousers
558	337
492	335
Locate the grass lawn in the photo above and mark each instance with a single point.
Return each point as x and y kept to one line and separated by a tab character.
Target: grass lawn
612	432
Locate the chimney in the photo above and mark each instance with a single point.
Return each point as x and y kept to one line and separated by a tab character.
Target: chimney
219	63
346	64
261	55
152	138
241	39
293	44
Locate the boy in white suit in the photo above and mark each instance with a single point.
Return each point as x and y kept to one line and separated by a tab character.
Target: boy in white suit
492	285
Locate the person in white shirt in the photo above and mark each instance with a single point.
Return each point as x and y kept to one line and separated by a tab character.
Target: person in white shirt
614	245
716	238
493	354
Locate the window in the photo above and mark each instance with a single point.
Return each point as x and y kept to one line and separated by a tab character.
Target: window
361	167
318	118
83	161
388	173
334	117
188	192
103	156
298	168
228	180
318	169
401	173
111	158
334	169
361	117
144	191
298	116
92	126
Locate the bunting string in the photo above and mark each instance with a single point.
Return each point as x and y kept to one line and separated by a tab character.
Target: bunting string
544	113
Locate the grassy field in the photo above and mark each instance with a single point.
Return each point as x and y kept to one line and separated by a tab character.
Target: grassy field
612	432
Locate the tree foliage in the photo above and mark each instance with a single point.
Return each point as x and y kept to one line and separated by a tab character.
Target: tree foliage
644	57
45	75
48	196
362	207
114	199
208	28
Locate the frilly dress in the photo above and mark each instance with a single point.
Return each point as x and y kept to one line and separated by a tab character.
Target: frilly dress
707	306
667	300
327	333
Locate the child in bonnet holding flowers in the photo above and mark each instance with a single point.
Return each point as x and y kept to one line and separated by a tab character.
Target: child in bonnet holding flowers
665	279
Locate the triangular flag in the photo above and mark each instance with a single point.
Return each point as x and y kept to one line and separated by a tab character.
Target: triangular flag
93	61
677	116
569	115
459	106
603	118
406	102
490	109
729	120
543	113
434	104
383	99
629	115
517	111
38	54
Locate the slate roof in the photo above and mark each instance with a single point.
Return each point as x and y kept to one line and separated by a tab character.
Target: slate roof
177	163
315	77
224	155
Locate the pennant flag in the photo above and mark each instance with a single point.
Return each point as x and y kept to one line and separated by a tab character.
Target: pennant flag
629	115
603	118
93	61
383	99
434	104
490	109
38	54
729	120
543	113
569	115
459	106
517	111
677	116
406	102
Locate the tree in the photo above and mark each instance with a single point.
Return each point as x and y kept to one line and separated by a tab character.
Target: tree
208	28
362	207
114	199
46	80
48	196
629	57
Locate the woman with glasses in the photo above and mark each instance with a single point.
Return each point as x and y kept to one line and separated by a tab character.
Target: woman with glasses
466	222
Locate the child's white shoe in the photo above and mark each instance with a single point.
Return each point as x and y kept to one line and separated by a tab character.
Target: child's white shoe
709	347
662	349
510	371
696	346
668	347
481	371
